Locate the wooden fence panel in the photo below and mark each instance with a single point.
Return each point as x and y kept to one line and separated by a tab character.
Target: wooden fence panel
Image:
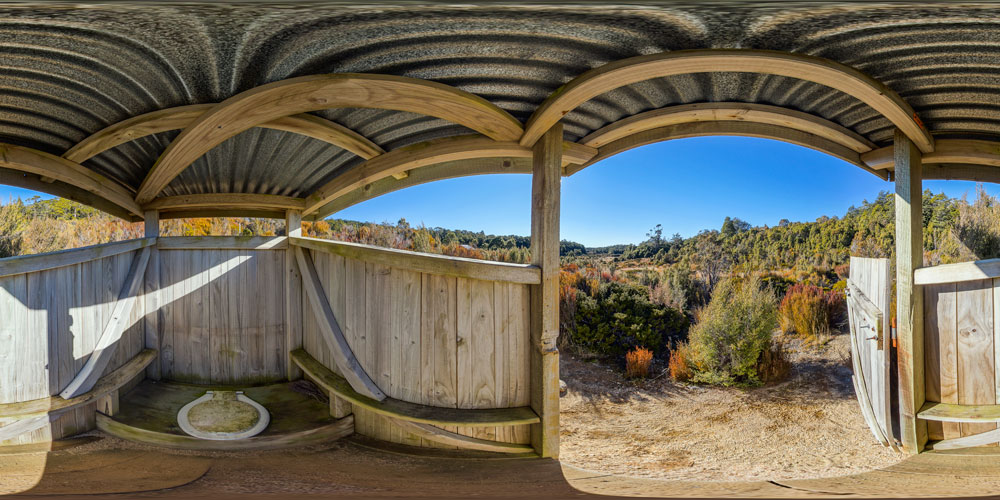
52	318
960	350
430	339
223	320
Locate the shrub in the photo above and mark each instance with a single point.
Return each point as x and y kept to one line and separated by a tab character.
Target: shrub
809	311
735	329
637	362
680	368
619	317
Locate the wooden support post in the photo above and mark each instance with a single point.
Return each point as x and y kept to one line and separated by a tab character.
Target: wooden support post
108	404
909	297
339	408
293	295
545	192
151	295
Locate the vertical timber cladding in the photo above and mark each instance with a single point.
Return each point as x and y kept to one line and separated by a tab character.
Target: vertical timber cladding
222	315
51	321
428	339
961	338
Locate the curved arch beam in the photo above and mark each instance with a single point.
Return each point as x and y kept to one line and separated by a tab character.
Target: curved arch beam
226	201
956	151
423	175
313	93
728	111
402	160
34	182
181	117
814	69
60	169
737	128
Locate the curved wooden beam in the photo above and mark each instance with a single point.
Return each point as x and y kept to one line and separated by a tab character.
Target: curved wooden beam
439	435
981	439
225	201
728	111
326	131
737	128
181	117
814	69
467	147
423	175
60	169
154	122
955	151
312	93
34	182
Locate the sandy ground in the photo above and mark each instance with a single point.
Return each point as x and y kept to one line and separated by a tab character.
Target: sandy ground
809	426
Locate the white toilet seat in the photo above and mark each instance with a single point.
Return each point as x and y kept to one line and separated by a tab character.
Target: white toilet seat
264	418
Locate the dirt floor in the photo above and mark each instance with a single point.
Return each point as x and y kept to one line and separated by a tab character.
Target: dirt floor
809	426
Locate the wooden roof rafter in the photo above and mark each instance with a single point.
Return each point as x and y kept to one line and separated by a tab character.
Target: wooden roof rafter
313	93
178	118
469	147
728	111
226	201
825	72
731	128
952	151
51	167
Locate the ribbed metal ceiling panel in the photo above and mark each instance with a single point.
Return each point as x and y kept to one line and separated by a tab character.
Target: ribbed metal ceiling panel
67	71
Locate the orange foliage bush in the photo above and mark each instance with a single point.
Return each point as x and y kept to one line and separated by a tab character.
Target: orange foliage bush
809	311
679	364
637	362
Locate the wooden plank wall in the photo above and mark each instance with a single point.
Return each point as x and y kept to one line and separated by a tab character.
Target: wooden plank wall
960	349
428	339
50	321
222	316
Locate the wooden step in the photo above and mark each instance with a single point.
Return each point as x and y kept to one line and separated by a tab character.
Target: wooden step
945	412
412	412
317	435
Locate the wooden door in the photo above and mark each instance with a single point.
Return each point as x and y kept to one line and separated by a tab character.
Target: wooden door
868	298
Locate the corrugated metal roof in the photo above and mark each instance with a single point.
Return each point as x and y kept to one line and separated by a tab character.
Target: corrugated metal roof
67	71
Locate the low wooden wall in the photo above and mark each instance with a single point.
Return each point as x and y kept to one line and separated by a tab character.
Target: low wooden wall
961	340
431	338
429	330
53	308
222	310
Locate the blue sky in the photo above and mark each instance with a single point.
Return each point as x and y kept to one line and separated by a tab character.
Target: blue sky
686	185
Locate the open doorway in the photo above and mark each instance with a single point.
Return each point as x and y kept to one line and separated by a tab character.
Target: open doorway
741	384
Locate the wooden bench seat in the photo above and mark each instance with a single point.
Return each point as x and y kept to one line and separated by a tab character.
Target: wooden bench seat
411	412
104	386
944	412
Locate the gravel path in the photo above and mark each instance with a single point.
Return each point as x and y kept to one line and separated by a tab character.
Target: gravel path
809	426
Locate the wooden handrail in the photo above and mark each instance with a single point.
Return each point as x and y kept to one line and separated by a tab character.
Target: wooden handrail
957	273
40	262
222	243
426	263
